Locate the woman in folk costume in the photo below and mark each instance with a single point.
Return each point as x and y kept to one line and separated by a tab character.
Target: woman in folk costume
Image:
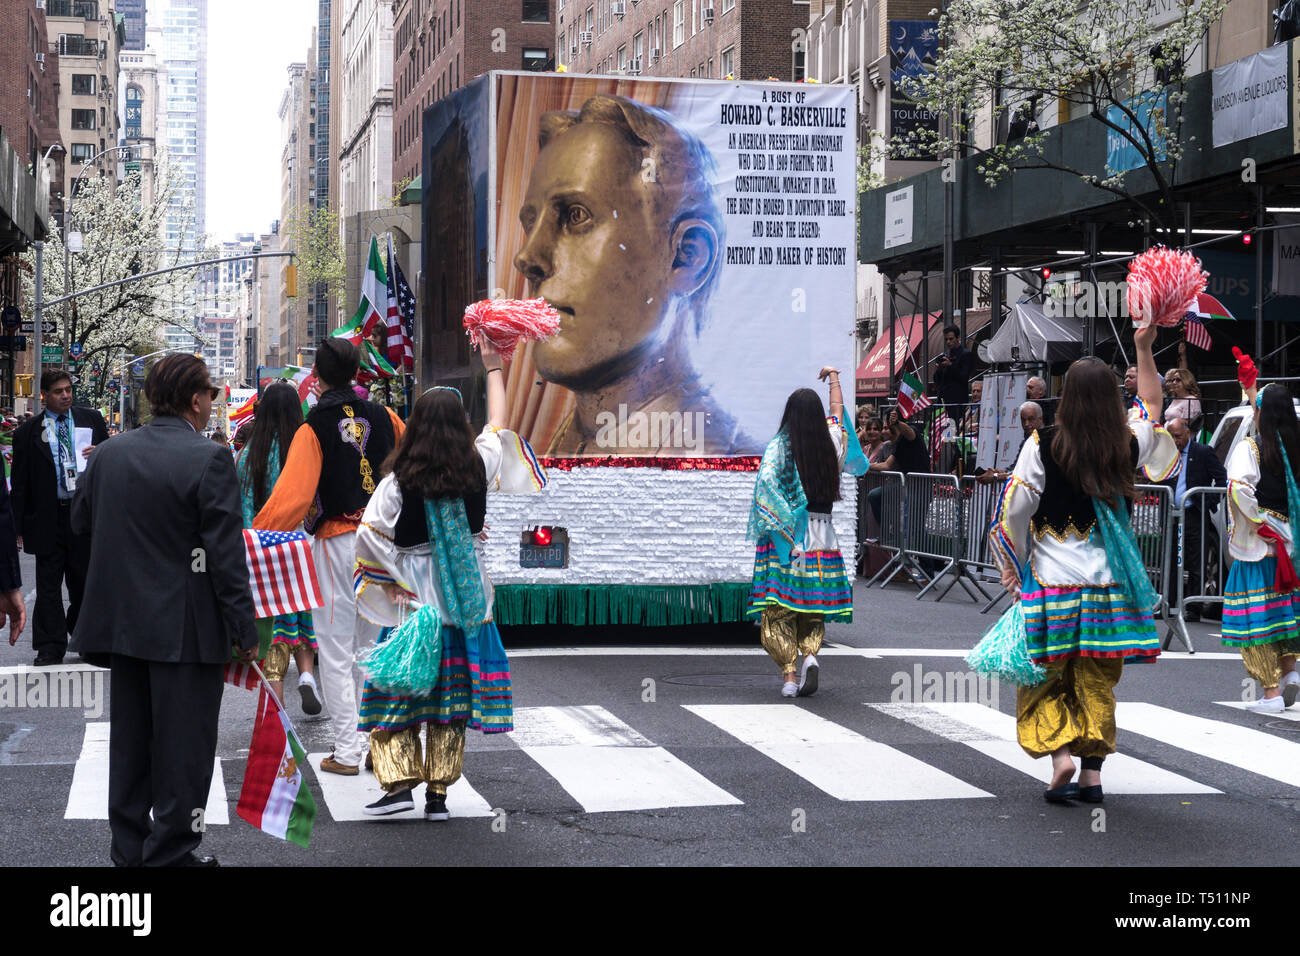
1260	604
799	578
279	413
421	540
1086	598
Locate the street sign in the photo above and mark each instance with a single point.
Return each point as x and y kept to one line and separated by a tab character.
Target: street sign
76	379
11	317
75	350
29	327
13	343
51	353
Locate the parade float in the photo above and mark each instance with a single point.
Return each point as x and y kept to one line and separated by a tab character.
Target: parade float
697	239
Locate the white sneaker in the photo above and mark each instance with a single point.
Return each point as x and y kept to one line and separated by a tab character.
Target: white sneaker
310	699
1290	688
808	678
1266	705
789	689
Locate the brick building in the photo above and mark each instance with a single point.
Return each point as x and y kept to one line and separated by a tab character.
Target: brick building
709	39
29	85
440	45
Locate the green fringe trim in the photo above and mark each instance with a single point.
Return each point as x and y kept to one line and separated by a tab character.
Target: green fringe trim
654	605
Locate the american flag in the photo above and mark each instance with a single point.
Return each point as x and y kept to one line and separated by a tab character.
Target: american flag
280	572
940	428
1195	332
401	315
242	675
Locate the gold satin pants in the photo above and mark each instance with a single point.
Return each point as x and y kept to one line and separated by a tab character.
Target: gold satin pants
276	663
1264	662
397	760
786	634
1074	707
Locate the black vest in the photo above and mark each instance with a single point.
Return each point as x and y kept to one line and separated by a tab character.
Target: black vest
412	530
1064	508
348	432
1270	493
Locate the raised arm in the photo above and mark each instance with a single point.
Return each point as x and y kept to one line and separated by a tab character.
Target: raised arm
1148	378
837	396
496	384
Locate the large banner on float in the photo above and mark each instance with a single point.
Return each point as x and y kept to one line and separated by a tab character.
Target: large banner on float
698	241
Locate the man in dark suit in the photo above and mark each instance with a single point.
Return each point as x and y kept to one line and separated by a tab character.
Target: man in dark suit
168	596
956	366
45	474
1199	468
11	580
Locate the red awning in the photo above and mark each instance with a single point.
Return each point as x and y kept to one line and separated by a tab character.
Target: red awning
874	375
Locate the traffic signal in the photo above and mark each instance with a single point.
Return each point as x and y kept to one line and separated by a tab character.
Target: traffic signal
291	280
23	385
1046	272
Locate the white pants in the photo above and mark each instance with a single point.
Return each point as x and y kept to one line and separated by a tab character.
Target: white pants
343	639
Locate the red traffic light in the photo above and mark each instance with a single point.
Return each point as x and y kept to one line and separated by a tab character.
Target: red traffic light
1245	239
1047	273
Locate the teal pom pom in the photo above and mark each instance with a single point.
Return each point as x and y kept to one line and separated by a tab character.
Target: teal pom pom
1001	652
407	663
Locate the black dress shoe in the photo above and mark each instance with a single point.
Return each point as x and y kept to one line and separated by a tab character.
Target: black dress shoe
1091	794
46	659
193	859
1062	794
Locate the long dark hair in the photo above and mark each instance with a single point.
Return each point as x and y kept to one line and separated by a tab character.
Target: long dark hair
436	457
1093	443
804	421
278	415
1277	422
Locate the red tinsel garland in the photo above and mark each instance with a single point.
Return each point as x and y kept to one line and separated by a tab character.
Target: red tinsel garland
743	463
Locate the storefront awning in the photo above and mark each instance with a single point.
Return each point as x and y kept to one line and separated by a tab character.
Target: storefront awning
875	374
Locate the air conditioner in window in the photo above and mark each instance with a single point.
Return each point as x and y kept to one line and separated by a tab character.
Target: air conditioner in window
618	8
585	38
40	4
635	67
708	14
654	54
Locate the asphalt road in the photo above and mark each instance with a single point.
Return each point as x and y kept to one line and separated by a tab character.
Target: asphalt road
673	747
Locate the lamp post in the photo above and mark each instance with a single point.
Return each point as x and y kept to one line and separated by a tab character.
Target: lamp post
68	331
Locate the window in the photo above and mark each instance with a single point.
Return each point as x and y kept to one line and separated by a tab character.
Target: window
728	5
695	17
622	58
638	46
83	119
591	19
679	23
729	61
710	73
83	84
82	153
535	59
798	70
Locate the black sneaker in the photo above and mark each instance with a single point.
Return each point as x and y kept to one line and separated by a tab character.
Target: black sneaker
47	659
391	803
435	807
310	701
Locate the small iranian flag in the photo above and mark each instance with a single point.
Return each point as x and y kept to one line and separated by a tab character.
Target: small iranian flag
911	396
351	331
373	364
274	797
373	309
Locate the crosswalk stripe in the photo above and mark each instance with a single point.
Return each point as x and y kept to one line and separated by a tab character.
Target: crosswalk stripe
1241	705
993	734
347	796
606	765
833	758
88	795
1251	750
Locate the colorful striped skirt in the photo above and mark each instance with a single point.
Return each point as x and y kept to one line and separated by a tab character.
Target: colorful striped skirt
296	630
1253	613
1084	621
817	585
473	685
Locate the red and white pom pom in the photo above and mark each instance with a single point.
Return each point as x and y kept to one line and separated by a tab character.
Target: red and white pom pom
1162	286
507	322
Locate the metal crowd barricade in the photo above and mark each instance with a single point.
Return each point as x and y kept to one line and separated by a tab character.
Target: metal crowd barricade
979	502
933	526
1152	520
890	486
1200	552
